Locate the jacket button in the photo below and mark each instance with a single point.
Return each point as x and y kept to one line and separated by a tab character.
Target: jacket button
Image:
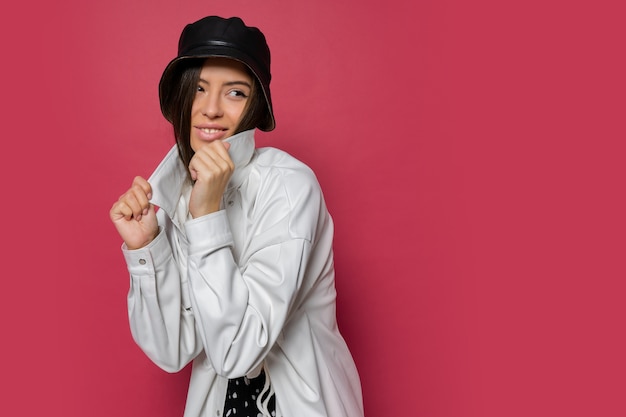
142	262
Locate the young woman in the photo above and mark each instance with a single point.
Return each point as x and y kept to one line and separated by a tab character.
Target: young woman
235	270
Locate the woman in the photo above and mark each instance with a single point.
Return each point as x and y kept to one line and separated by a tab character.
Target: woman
235	270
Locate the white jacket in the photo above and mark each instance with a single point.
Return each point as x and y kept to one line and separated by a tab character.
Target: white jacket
251	285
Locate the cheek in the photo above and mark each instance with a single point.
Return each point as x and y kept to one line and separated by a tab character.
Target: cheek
238	111
195	107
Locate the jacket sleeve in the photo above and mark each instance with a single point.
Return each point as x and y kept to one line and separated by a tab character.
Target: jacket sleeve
160	319
241	310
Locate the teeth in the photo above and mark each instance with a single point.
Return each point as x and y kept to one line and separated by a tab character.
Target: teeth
210	131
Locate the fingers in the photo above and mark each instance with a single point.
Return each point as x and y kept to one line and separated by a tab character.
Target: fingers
144	185
212	163
216	153
134	203
142	193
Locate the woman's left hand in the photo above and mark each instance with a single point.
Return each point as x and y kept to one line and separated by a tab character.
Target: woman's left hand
211	169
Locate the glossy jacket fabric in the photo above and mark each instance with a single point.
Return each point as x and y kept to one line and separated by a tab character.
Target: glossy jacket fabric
249	286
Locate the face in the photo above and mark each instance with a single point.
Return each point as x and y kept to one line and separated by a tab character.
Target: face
223	90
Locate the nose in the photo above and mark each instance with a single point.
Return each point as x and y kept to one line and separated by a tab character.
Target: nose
212	106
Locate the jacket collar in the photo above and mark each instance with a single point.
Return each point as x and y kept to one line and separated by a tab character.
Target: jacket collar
169	177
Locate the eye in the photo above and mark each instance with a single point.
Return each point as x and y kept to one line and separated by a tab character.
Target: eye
237	93
199	89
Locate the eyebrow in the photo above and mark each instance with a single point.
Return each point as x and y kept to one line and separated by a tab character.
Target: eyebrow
230	83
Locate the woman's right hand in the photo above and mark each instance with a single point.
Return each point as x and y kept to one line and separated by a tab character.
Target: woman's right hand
133	215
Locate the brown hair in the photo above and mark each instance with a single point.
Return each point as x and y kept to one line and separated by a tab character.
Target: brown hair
254	115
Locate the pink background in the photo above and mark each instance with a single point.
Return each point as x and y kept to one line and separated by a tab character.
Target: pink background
471	153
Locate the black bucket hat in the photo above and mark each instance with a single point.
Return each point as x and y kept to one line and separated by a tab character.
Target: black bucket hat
214	36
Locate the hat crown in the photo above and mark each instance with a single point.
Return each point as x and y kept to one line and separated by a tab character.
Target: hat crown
229	33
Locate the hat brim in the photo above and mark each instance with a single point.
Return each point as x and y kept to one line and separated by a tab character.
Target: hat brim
171	74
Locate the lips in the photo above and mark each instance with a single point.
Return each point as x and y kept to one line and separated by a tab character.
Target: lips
210	133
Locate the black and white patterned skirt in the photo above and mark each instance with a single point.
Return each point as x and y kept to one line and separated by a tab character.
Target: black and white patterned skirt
249	398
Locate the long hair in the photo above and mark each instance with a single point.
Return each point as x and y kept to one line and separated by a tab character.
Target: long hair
255	113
